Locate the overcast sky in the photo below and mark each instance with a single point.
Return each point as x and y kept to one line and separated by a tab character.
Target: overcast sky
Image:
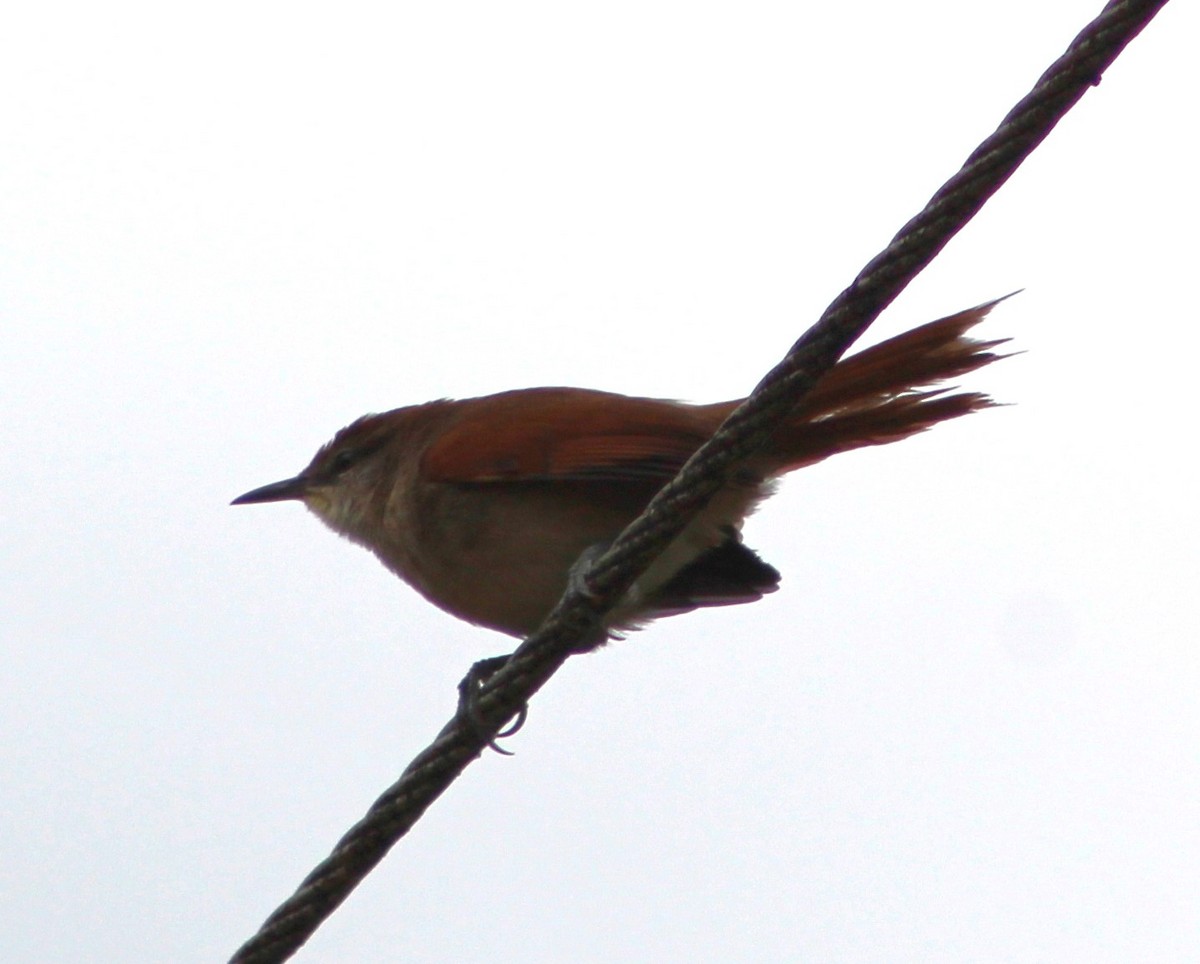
966	728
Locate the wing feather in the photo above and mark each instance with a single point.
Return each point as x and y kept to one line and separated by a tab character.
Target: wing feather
568	434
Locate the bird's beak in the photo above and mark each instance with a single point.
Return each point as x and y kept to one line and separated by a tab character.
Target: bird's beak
284	491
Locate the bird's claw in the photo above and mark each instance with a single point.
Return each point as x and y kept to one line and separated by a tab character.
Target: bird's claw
469	709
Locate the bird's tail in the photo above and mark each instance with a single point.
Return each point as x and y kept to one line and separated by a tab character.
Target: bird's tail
887	392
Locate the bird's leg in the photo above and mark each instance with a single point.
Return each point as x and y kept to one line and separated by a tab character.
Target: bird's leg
577	575
578	582
468	702
485	669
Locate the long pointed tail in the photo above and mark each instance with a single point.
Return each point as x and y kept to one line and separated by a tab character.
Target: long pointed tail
888	392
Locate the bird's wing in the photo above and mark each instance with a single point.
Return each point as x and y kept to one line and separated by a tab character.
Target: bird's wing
568	434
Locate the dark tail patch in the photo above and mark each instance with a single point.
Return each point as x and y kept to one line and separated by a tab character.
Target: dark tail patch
725	575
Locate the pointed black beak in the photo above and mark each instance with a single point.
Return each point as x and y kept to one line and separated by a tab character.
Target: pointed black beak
275	492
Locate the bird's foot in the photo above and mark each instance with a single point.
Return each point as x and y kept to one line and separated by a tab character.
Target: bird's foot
577	575
470	711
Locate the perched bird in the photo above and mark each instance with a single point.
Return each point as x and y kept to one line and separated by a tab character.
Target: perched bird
483	505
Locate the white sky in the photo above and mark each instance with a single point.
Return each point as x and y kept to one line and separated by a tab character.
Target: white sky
965	729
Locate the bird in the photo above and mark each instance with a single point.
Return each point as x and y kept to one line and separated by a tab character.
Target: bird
485	505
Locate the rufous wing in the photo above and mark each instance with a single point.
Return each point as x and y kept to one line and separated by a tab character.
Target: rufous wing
567	434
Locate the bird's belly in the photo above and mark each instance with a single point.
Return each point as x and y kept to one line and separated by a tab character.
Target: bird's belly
500	555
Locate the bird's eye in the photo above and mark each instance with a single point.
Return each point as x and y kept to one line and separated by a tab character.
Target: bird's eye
342	461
